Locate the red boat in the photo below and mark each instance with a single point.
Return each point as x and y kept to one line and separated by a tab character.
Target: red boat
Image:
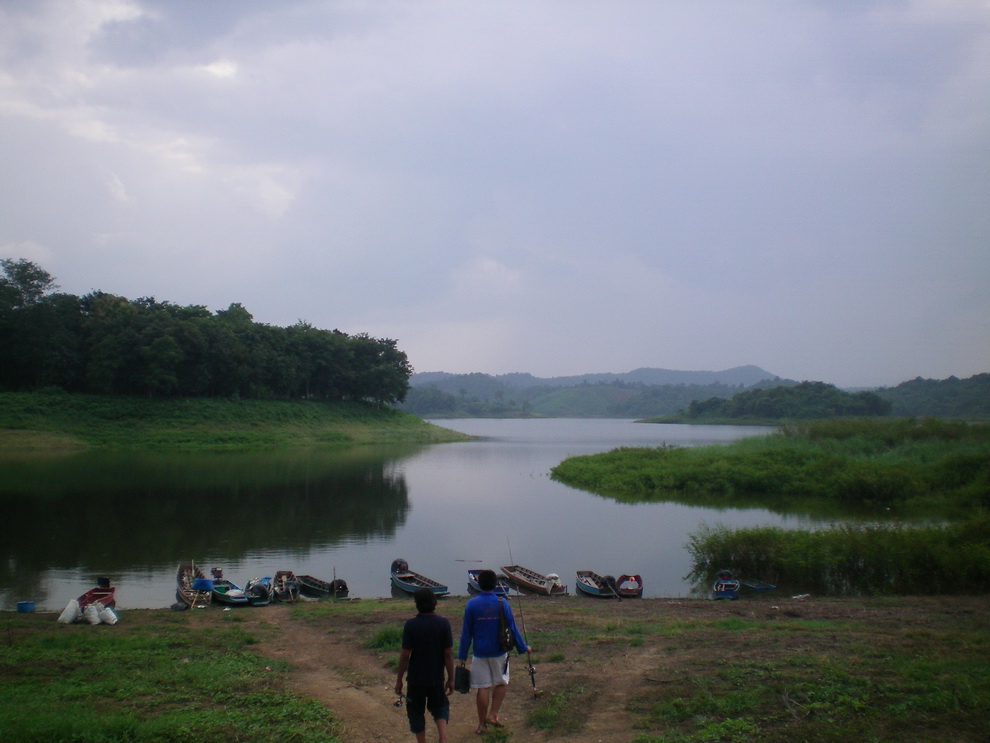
104	593
630	586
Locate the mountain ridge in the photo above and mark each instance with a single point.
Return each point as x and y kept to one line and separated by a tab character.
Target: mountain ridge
746	376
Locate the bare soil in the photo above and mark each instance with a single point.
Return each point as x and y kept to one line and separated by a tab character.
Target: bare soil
330	660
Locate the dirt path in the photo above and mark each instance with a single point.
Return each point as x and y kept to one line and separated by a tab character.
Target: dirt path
358	687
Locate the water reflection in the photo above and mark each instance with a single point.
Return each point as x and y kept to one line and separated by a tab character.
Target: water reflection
103	513
349	513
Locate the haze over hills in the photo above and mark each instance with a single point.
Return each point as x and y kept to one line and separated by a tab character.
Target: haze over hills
648	392
739	375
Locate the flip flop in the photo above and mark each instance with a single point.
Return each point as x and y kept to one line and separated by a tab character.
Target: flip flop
494	723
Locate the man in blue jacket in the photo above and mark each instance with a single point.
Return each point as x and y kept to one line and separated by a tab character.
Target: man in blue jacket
489	664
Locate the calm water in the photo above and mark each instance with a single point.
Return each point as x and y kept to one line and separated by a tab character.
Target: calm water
347	514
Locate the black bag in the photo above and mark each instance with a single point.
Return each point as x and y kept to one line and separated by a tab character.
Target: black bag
462	679
506	639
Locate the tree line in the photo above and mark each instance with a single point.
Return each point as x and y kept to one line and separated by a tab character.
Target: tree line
806	400
106	344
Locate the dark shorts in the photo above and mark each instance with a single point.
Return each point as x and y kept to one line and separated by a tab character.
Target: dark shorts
419	699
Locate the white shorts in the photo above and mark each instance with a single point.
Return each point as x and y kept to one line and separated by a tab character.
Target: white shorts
488	672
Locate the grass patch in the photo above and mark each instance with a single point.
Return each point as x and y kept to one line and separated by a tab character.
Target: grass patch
147	682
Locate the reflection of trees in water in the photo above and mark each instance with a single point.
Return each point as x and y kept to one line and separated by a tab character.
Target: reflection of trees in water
105	513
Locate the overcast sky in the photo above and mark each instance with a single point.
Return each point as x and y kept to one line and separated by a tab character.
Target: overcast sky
550	187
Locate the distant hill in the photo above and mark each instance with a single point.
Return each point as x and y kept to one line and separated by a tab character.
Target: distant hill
941	398
639	393
655	393
739	375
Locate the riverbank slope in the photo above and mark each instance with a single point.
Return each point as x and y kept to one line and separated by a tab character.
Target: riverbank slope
46	422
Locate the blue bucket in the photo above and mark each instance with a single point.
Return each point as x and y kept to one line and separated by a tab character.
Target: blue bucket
25	607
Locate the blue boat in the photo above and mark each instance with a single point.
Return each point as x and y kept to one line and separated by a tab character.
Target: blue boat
259	591
757	585
726	586
408	581
591	583
501	585
227	592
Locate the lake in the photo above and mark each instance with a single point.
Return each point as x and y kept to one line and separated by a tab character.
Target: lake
347	513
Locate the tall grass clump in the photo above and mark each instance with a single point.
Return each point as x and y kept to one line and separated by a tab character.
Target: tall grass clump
852	559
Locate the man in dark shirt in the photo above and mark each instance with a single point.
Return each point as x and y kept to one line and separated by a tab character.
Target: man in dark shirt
426	653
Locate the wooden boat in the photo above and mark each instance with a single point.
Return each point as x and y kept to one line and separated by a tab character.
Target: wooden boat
225	591
259	591
103	592
530	580
593	584
757	585
408	581
193	588
726	586
501	586
337	588
286	586
629	586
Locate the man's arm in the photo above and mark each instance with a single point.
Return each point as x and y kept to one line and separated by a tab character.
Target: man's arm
448	662
403	665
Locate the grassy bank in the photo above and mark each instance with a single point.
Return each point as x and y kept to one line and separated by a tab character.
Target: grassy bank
52	421
643	671
881	470
922	467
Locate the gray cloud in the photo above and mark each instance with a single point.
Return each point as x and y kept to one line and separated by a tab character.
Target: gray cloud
548	187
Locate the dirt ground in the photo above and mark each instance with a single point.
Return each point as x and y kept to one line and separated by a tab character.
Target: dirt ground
331	663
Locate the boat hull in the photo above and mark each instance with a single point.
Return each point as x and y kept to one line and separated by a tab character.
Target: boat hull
630	586
312	586
227	593
501	586
592	584
259	591
193	588
286	586
407	581
530	580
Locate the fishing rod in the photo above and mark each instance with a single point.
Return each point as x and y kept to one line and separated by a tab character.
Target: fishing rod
522	620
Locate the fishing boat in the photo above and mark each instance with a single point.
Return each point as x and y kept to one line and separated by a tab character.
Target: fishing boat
103	592
311	586
286	586
259	591
629	586
193	588
501	586
726	586
530	580
593	584
226	591
408	581
757	585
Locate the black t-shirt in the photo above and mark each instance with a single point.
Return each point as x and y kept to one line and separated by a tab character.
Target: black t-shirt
427	636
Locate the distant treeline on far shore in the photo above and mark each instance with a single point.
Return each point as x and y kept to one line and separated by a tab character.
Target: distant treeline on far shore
481	395
105	344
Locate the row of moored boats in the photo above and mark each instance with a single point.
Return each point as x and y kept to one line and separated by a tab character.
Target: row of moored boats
527	580
195	589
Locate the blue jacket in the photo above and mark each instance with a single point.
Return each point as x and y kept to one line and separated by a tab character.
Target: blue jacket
480	627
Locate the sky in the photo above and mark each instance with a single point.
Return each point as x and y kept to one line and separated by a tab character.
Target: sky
552	187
